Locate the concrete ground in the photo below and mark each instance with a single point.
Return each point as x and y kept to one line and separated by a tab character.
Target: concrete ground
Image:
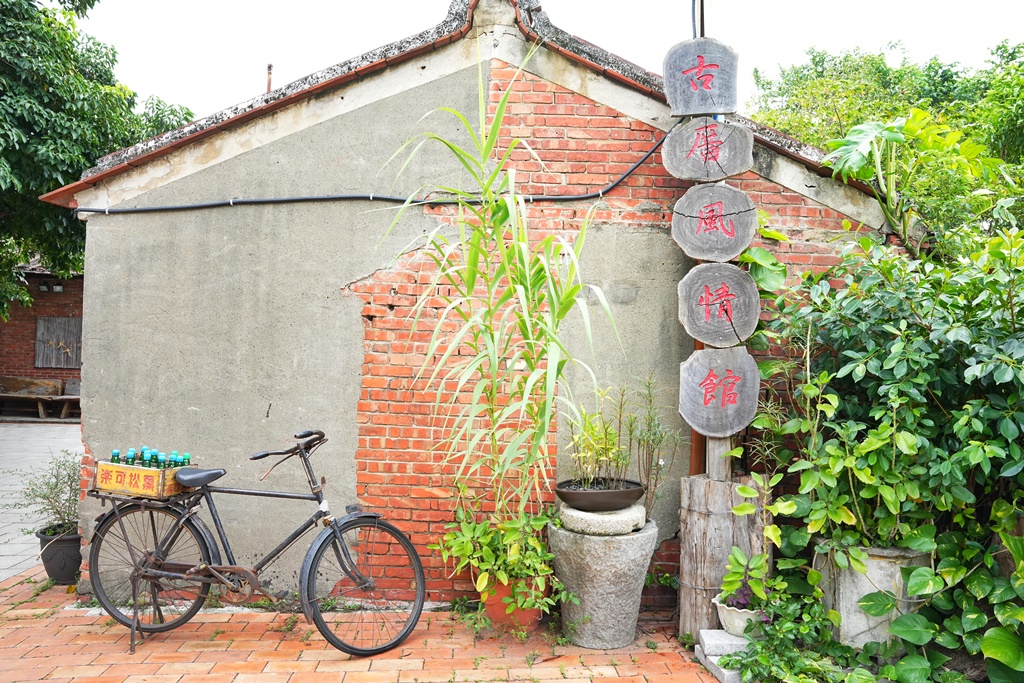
45	635
26	446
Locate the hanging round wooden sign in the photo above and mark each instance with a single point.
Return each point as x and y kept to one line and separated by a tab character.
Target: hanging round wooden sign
706	150
719	304
701	77
718	390
714	222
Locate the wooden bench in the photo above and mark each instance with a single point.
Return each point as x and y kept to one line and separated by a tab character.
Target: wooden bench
41	392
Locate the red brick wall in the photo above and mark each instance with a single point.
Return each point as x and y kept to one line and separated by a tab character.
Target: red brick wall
18	335
582	146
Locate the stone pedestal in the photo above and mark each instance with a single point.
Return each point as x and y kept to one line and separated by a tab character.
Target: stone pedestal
606	573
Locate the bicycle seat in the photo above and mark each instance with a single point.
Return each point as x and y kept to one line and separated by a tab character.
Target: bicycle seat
193	477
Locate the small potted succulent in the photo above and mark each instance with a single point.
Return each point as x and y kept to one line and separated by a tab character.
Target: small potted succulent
746	591
52	493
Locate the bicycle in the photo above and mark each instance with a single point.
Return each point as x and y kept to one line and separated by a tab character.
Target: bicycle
153	562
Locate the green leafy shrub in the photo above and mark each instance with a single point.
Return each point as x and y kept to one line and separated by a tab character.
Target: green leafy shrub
51	492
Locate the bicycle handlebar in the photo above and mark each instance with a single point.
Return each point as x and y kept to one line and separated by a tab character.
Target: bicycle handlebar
317	435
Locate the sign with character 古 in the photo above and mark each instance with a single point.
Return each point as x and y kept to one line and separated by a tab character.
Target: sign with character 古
719	304
706	150
700	78
714	222
718	390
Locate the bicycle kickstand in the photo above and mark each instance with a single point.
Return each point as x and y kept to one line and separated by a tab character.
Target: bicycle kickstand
135	631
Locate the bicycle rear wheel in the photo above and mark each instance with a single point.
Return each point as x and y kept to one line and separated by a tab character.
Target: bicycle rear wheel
365	598
163	603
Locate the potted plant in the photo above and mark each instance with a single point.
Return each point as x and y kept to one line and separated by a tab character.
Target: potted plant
746	592
509	564
498	295
603	559
52	492
602	449
599	459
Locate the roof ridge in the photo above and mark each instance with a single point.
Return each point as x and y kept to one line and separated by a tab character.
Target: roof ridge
532	21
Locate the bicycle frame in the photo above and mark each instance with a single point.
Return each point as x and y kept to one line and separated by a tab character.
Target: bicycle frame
206	493
156	565
190	503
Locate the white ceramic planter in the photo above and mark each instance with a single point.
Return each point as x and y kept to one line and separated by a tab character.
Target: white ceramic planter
734	620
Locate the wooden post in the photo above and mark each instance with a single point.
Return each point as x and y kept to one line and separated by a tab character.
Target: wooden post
707	532
719	467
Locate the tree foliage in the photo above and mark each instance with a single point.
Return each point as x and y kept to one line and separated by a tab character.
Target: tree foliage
884	121
62	109
926	178
823	99
1000	114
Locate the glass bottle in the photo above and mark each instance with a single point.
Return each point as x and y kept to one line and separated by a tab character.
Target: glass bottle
161	461
147	459
187	459
115	456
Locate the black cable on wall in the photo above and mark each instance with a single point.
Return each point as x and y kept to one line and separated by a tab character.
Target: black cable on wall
369	197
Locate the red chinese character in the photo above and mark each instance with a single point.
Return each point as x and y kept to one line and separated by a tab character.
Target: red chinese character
105	477
707	143
149	482
729	394
712	219
119	477
699	75
721	297
711	384
133	480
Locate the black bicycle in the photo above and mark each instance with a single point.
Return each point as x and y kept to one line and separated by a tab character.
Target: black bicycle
153	562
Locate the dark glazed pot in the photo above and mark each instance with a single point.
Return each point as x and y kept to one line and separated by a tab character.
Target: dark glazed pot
61	555
599	499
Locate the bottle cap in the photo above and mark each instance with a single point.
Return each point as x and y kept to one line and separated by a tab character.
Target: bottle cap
115	452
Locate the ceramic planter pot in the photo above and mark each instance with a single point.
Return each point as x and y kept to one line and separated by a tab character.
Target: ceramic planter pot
518	619
599	499
61	555
734	620
845	587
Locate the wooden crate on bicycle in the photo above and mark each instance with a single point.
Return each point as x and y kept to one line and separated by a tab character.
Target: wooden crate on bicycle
140	482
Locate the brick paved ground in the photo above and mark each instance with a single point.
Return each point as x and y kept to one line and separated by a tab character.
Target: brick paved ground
45	637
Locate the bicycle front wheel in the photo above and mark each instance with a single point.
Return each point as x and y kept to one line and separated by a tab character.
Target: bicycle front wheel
156	541
365	597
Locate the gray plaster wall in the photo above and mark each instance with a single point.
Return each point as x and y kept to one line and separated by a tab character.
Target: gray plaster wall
223	332
638	269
